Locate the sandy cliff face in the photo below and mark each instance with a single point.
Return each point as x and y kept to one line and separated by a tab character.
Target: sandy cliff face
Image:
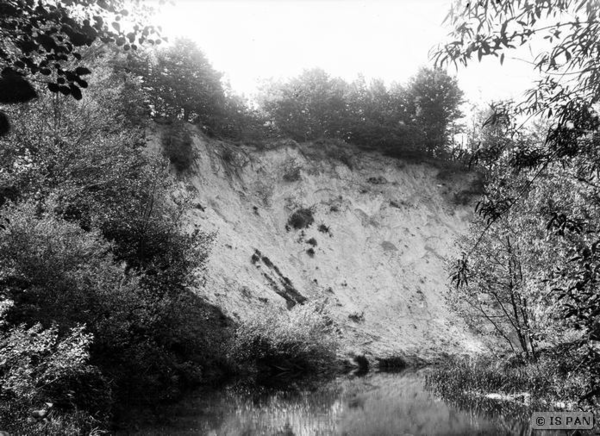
381	233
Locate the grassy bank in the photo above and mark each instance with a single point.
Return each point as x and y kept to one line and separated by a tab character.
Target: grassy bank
488	384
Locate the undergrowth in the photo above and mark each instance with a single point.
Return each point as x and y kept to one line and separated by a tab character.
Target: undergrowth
301	340
550	382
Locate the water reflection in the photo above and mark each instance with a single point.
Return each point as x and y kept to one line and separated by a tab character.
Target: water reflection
377	404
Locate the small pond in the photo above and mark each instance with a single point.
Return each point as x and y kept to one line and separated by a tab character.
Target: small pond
376	404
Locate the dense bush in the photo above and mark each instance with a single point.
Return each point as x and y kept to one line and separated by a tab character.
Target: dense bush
57	274
39	371
92	237
303	339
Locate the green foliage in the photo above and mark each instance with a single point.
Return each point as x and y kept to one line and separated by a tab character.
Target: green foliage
401	121
85	152
67	28
307	107
301	219
44	41
91	236
572	30
46	264
39	368
58	274
177	146
300	340
241	122
180	83
378	117
564	158
504	291
433	100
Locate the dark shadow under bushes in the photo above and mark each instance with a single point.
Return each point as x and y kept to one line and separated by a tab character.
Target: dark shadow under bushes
177	145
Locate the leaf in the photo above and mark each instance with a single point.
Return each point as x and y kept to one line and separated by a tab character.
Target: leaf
14	88
53	87
46	41
82	71
75	92
116	26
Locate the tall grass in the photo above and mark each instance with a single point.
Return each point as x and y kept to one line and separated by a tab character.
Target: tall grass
550	382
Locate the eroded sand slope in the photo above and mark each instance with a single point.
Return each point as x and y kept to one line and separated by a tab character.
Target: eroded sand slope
381	267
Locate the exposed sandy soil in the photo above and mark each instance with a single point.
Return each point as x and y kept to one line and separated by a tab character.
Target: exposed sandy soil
380	269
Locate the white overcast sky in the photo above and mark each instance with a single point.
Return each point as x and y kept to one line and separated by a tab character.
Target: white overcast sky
249	40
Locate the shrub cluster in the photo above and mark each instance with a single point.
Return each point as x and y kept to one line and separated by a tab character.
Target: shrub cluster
300	340
301	219
404	121
96	328
65	380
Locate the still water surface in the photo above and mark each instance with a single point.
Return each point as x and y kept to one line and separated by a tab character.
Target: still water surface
377	404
